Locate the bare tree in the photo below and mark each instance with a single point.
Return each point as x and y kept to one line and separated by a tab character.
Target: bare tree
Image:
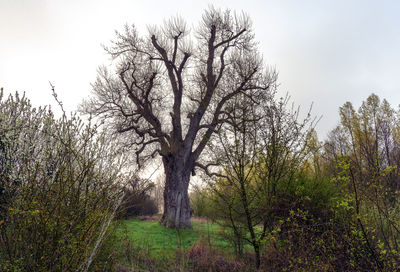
170	91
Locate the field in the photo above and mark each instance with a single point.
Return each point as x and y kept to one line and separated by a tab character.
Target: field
147	245
150	235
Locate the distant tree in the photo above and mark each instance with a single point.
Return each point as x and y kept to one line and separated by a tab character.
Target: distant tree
169	92
367	141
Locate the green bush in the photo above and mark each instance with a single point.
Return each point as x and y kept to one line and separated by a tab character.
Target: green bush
317	196
304	243
200	202
58	189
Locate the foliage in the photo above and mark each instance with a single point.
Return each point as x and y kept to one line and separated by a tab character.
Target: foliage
320	216
302	242
365	147
200	201
258	156
137	200
59	193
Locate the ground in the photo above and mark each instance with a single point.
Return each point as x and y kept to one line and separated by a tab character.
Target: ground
145	244
148	234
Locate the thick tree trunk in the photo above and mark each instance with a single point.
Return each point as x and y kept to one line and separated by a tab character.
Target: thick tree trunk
177	210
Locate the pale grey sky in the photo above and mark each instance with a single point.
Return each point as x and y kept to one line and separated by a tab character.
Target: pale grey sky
326	52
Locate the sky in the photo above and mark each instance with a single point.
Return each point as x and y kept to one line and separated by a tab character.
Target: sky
326	52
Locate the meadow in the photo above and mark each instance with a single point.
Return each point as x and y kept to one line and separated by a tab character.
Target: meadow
145	245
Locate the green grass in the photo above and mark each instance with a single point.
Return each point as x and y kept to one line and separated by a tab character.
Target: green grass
161	241
148	246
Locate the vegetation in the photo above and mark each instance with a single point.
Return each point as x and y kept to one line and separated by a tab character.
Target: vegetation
330	209
160	240
170	91
58	191
137	200
150	246
273	197
258	159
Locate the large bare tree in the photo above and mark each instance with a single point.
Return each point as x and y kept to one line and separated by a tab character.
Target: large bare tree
171	90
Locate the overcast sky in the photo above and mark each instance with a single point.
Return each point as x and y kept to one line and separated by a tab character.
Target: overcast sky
326	52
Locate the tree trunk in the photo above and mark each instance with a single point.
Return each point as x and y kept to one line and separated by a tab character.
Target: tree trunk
258	257
177	209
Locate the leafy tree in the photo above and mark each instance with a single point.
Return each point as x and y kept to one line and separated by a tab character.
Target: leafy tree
259	155
170	90
367	142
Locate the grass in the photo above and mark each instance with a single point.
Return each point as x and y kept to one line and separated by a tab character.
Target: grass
160	241
148	246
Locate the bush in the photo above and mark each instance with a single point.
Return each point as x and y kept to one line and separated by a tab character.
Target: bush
304	243
137	200
200	202
317	196
58	189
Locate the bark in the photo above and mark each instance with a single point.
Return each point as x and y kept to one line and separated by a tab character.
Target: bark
149	69
177	209
258	256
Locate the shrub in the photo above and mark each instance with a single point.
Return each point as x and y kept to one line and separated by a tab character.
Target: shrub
58	190
137	200
304	243
200	201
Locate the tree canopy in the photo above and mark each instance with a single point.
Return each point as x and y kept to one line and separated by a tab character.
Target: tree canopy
168	92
